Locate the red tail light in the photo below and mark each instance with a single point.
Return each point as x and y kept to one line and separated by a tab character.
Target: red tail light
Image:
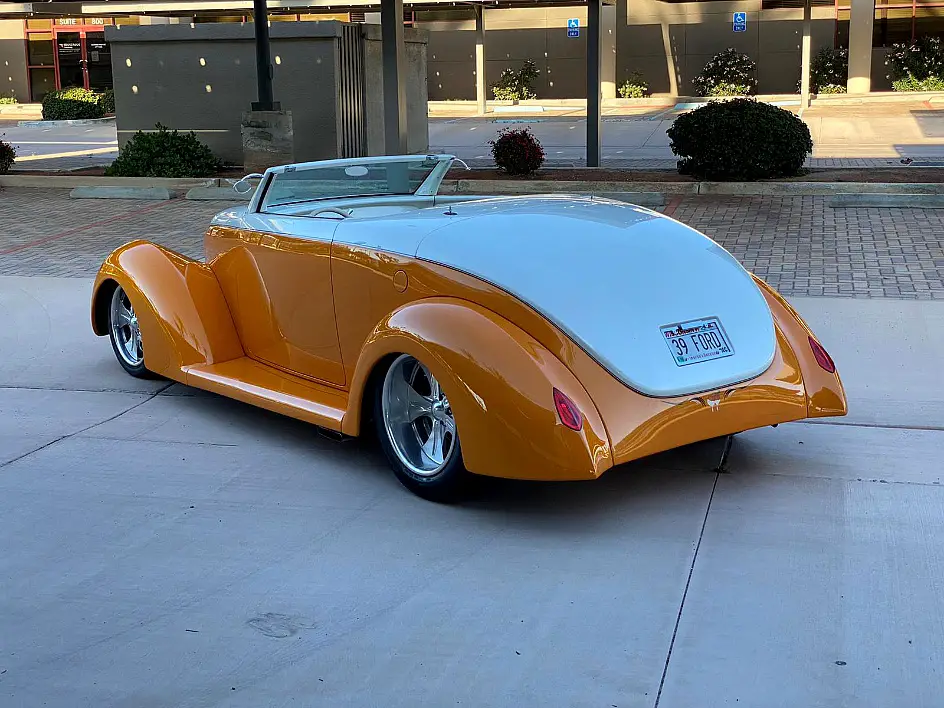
822	356
567	410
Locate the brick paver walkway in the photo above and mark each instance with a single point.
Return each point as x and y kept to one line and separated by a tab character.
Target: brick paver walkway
798	244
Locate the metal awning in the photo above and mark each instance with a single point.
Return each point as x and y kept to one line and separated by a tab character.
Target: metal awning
105	8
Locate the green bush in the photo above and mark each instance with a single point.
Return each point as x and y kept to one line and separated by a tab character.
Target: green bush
107	100
164	153
7	156
916	65
72	104
740	139
7	100
729	73
931	83
725	89
516	85
517	151
635	86
829	70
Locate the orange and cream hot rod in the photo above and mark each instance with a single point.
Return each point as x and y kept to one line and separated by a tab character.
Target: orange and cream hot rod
543	337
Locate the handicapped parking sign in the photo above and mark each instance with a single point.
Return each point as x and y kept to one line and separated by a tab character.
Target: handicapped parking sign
740	22
573	27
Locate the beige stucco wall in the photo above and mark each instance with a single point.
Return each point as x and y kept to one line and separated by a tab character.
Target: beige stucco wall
13	60
202	77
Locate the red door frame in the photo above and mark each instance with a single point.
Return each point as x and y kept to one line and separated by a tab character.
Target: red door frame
82	30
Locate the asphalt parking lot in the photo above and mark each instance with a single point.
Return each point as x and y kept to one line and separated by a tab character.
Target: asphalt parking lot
160	546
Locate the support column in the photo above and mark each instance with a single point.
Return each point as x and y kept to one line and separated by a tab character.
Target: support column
260	21
594	44
480	85
805	56
394	83
861	19
608	67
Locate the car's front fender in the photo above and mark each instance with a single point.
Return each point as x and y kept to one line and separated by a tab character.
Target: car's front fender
500	382
183	316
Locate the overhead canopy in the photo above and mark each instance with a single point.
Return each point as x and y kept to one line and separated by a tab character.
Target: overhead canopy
186	7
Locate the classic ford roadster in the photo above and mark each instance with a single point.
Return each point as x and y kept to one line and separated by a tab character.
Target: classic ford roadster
543	337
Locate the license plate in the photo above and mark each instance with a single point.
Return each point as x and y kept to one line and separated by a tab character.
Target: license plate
696	341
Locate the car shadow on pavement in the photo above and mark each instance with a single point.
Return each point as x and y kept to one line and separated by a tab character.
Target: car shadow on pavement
636	489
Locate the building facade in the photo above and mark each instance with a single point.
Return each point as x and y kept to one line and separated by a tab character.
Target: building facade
668	42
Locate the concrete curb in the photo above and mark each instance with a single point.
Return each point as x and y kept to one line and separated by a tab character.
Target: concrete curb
69	181
738	189
888	201
218	194
221	189
62	123
160	194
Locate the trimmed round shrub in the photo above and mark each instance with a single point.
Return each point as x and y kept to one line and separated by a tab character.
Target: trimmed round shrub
635	86
729	73
740	139
7	156
164	153
517	151
829	70
72	104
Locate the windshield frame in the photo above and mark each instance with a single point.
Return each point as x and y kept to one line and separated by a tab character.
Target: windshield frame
428	188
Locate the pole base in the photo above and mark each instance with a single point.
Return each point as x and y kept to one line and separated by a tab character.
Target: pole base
274	106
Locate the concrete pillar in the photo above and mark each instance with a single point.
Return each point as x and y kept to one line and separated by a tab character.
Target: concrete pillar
394	82
480	85
608	64
861	19
805	56
594	45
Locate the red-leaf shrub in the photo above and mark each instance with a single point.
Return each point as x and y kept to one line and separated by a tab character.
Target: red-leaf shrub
517	152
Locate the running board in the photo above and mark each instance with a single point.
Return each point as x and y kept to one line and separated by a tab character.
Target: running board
252	382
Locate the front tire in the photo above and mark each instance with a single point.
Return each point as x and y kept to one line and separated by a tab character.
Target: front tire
417	431
125	335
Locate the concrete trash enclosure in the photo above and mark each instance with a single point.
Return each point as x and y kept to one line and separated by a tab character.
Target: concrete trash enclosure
328	75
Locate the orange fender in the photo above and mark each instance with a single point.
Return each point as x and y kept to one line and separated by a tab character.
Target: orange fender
499	381
824	391
183	316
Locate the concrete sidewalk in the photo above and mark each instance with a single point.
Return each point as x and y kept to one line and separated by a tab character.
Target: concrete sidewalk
162	546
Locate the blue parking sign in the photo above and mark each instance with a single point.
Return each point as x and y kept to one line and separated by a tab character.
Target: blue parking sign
740	22
573	27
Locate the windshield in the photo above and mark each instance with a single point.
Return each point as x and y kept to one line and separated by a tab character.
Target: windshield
360	179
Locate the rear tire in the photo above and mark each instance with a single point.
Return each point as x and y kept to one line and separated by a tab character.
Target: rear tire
125	335
417	431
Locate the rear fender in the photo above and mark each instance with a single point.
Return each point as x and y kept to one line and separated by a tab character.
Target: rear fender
824	391
499	381
181	311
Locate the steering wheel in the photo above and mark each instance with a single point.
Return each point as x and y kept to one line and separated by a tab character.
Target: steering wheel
331	210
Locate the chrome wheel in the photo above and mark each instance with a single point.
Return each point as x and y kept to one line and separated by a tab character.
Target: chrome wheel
417	418
125	332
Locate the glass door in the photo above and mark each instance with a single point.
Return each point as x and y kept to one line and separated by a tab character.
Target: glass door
98	66
70	59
